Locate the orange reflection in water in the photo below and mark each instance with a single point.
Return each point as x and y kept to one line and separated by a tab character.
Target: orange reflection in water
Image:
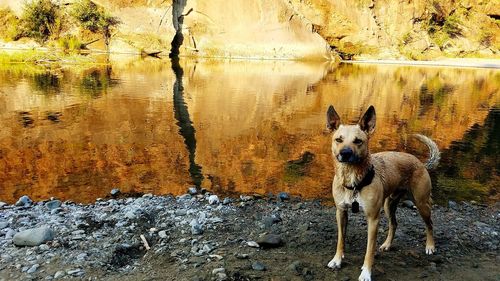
259	125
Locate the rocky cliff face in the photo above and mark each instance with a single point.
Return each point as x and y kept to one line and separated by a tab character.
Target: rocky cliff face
306	29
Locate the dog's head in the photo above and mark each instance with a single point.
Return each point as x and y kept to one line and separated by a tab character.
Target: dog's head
350	142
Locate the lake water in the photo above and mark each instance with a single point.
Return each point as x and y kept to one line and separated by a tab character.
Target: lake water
234	127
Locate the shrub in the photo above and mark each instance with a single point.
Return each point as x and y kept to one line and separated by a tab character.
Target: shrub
9	25
40	20
95	19
69	43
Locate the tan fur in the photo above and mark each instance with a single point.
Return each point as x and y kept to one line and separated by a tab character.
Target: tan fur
395	174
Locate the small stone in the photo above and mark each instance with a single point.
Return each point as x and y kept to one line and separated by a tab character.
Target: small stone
221	276
44	247
185	197
252	244
218	270
452	205
53	204
147	195
246	198
10	233
3	204
3	224
76	272
408	204
59	274
33	237
115	192
24	201
270	241
33	268
192	190
242	256
258	266
180	212
282	196
56	211
162	234
196	228
227	200
213	199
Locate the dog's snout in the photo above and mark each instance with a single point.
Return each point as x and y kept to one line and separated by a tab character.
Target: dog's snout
346	152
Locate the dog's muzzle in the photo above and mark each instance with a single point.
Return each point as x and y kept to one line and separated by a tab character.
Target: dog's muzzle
346	155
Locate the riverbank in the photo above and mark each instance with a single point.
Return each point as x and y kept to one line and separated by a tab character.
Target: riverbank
202	237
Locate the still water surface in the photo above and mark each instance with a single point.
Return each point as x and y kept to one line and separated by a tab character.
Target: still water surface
234	127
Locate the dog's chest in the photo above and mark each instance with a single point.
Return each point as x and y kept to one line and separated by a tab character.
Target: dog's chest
346	198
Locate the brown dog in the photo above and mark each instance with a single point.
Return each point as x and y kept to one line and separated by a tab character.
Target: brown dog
375	180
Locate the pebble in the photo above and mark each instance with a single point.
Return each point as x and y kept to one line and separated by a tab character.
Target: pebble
4	224
258	266
76	272
59	274
33	268
162	234
115	192
185	197
227	200
218	270
270	241
213	199
53	204
452	205
3	204
408	204
24	201
33	237
242	256
44	247
252	244
196	227
180	212
282	196
192	190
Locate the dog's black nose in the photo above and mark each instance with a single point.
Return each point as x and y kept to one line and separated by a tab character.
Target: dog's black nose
346	153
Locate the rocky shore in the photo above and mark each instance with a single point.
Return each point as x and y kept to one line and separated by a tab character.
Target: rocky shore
204	237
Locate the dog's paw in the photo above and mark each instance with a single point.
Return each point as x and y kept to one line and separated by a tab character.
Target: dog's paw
430	250
365	275
385	247
335	263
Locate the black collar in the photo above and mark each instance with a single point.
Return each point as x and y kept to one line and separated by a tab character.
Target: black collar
367	180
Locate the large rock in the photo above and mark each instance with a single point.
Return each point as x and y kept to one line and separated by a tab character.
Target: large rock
270	241
33	237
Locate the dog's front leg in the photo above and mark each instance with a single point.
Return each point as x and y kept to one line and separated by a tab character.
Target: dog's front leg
341	215
366	270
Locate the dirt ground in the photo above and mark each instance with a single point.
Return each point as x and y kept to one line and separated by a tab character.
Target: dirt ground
191	239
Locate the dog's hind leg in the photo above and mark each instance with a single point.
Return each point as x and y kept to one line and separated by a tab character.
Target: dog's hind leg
390	206
421	189
341	215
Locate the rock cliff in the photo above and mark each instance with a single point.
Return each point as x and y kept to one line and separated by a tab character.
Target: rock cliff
304	29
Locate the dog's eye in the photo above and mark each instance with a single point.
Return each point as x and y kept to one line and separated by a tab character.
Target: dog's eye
357	141
339	140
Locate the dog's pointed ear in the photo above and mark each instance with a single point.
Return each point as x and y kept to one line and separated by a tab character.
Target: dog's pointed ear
332	119
367	122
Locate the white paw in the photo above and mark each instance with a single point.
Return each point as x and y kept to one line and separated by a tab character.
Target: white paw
385	247
335	263
430	250
365	275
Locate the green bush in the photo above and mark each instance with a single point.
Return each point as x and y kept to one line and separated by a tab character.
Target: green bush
40	20
69	43
93	18
9	25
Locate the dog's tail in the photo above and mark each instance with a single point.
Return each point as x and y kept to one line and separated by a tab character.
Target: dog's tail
434	154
